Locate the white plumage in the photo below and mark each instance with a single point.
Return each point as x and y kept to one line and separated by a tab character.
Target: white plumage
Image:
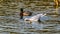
36	17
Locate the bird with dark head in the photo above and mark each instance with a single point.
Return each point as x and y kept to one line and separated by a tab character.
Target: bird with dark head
24	13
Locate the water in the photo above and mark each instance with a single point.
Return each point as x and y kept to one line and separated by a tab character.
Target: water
48	27
13	25
18	26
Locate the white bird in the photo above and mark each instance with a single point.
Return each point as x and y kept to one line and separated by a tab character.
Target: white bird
33	20
36	17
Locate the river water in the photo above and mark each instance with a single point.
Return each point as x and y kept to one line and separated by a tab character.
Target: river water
15	25
51	27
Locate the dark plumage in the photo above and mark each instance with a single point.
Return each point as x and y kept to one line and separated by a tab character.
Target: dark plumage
21	13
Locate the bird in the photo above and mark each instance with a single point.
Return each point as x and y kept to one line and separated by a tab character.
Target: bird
36	18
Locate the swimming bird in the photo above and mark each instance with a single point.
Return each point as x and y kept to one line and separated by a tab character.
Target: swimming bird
36	18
